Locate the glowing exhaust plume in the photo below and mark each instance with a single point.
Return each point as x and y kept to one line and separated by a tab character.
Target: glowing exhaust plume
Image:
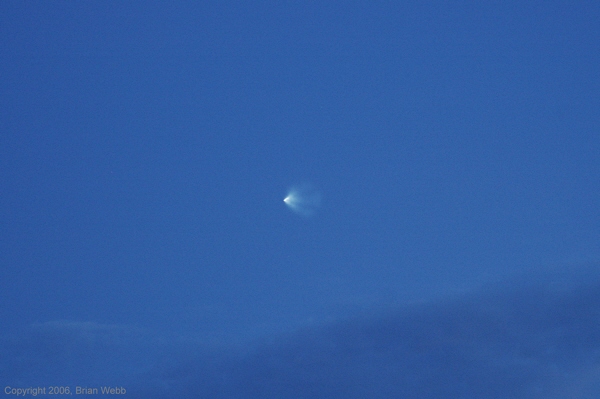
303	199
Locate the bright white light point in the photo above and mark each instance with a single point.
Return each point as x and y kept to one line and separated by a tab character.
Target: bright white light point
303	199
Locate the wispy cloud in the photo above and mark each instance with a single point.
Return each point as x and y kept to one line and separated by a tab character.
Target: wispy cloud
537	340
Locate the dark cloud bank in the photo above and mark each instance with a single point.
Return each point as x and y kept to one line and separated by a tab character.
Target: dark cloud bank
519	340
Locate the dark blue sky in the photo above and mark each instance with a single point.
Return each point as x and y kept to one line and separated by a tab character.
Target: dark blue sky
146	149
